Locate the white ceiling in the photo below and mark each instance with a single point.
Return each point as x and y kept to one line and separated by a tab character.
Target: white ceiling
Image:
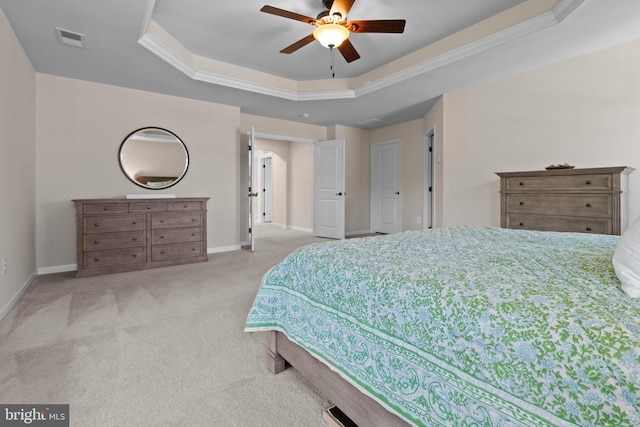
228	52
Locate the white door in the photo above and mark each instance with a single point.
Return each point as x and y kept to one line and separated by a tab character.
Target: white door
427	215
329	193
385	187
267	190
251	193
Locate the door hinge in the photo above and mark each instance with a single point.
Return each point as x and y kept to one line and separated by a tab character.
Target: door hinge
249	231
430	188
430	149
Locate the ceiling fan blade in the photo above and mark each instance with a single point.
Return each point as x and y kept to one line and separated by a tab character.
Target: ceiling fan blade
342	7
377	26
286	14
349	52
297	45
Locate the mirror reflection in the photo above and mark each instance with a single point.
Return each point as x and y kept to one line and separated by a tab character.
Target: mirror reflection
153	158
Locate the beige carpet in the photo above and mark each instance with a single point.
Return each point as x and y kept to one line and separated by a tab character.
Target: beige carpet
162	347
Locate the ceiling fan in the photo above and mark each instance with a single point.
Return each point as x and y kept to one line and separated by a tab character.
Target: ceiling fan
333	28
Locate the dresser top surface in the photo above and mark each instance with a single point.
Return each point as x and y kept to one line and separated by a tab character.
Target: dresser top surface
141	200
560	172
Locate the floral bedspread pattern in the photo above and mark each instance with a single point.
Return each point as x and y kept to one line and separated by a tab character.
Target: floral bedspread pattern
467	326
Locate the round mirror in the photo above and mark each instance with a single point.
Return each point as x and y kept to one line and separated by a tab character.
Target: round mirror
153	158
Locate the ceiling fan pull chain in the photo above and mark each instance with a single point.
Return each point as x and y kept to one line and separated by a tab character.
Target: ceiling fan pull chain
333	71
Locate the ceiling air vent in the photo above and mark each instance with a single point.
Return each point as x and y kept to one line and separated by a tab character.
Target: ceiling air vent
69	37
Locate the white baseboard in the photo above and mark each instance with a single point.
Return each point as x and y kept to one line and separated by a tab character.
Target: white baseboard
17	296
57	269
223	249
356	233
74	267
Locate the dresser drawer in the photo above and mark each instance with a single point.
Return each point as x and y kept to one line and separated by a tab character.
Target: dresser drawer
176	235
147	207
105	224
184	206
106	208
173	220
111	257
101	241
594	182
177	250
556	223
578	205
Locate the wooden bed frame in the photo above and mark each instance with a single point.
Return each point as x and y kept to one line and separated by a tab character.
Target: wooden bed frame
360	408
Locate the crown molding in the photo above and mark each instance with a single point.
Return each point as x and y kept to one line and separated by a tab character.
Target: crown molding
565	7
540	22
186	65
151	43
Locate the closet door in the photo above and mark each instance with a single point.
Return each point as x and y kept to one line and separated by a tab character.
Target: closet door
385	187
329	197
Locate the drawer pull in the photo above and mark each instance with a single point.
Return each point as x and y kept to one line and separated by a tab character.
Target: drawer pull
588	228
521	183
106	208
588	182
96	259
193	234
521	203
162	221
193	220
135	239
193	249
148	207
588	205
162	237
522	224
186	206
134	255
96	225
162	252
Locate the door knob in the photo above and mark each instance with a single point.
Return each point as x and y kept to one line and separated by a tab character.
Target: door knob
397	193
339	194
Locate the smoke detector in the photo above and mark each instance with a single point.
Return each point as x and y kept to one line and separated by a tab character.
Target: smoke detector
70	38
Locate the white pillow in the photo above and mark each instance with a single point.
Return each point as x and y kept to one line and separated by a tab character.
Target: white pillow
626	260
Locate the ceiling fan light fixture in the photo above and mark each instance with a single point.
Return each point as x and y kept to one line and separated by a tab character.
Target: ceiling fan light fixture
331	35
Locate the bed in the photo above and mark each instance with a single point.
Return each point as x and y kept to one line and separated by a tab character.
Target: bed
460	326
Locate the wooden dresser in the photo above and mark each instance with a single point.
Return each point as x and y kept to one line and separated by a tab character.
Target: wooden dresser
579	200
116	235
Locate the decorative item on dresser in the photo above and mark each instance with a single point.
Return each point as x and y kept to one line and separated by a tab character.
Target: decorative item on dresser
116	235
590	200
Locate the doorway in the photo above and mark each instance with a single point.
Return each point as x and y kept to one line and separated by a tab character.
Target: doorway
282	199
271	182
266	181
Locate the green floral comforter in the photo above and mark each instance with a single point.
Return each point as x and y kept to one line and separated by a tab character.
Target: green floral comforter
467	326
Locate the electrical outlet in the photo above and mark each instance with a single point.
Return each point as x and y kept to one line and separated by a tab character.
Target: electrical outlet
4	266
418	220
